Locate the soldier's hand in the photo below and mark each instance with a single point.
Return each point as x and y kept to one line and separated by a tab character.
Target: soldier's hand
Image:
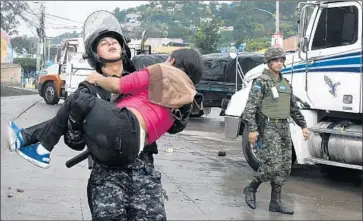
306	133
252	137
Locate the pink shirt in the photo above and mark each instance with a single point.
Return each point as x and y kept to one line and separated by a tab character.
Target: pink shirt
158	119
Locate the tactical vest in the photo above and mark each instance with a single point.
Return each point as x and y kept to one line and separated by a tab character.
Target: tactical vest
278	108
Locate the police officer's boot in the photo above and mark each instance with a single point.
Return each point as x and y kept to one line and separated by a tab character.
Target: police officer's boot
250	193
275	204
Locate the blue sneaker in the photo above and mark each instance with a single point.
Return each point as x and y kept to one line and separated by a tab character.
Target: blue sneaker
15	138
35	154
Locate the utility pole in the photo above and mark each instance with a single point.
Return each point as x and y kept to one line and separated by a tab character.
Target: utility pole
48	48
43	31
38	51
277	17
41	39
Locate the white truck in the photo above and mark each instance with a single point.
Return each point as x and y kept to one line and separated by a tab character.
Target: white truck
326	75
54	85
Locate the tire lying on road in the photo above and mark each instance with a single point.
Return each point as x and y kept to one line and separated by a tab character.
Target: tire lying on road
50	94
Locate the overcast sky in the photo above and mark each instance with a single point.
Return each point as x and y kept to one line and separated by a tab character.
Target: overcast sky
74	10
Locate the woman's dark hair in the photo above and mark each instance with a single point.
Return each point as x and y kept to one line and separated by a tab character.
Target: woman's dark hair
190	61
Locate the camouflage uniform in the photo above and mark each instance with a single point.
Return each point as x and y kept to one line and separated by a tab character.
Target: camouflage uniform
131	193
275	155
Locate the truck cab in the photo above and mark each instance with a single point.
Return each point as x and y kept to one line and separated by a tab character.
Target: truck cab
54	86
326	75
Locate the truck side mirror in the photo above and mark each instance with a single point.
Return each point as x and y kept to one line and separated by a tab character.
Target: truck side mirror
303	47
303	44
128	40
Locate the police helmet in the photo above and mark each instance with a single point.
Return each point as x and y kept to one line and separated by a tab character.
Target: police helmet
99	25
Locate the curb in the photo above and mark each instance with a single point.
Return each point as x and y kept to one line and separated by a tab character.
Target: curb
25	89
26	109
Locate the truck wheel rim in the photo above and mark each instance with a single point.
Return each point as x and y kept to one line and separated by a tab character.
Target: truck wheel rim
49	93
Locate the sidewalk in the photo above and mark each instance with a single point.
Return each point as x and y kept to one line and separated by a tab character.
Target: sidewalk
17	91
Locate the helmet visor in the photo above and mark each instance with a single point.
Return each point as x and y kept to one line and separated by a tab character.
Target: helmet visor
100	20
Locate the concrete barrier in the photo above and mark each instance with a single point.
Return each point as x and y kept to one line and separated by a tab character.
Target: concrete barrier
11	75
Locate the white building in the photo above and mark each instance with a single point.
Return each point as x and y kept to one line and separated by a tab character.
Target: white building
132	22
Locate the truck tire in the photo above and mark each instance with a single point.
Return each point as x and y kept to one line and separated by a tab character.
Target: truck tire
50	93
251	158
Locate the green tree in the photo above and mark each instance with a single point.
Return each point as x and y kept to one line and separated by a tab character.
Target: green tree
23	42
11	11
185	20
257	44
60	38
120	14
206	37
225	39
28	64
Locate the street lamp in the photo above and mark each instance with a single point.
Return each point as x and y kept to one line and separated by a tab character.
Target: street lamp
276	16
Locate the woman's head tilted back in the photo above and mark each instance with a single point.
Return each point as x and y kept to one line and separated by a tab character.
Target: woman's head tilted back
190	61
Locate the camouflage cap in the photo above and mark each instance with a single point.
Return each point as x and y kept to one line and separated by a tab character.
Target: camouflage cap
273	53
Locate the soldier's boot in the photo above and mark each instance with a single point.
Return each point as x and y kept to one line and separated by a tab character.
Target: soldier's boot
275	204
250	193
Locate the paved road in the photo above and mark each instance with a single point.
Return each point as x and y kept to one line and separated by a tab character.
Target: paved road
199	184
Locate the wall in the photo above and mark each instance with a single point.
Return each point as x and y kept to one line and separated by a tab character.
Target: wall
10	75
6	49
290	43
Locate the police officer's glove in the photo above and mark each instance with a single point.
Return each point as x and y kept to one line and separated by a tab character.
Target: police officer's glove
81	107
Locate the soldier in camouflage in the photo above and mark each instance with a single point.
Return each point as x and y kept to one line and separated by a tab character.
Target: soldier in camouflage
272	102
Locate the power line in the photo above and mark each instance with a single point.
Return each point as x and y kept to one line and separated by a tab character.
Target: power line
50	23
30	29
32	12
31	19
67	27
64	18
31	23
